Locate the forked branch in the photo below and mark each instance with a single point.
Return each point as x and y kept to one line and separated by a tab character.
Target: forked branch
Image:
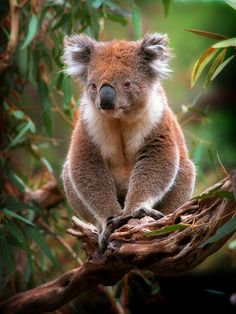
130	247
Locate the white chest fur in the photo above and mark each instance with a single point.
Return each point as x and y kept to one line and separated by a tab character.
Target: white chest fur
120	139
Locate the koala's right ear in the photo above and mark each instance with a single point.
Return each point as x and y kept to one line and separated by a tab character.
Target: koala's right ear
77	54
156	52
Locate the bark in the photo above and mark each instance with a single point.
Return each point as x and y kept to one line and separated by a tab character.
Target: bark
130	248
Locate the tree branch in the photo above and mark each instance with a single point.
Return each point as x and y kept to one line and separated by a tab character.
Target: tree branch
6	57
129	248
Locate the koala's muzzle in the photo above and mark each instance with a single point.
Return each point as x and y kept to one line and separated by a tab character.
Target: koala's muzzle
107	97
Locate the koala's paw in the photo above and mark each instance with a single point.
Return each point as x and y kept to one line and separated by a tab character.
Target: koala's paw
113	223
143	211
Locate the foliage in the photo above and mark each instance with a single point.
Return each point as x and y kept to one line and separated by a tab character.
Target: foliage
216	53
32	81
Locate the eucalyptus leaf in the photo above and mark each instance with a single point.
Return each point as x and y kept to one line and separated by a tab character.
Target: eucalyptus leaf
231	42
166	5
11	213
6	255
136	19
227	229
215	64
206	34
32	30
165	230
221	67
16	232
202	62
39	239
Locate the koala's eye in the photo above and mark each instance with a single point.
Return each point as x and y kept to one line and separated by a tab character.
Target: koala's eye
127	85
94	87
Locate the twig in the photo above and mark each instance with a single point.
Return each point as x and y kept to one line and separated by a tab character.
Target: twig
7	55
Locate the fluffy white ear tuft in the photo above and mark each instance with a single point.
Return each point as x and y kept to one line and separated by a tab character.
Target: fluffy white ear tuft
155	50
77	54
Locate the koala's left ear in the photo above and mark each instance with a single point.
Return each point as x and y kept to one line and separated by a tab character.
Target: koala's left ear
154	48
77	54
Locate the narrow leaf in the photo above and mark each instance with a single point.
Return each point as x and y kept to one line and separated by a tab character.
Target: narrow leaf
166	5
164	230
136	19
231	42
218	60
15	215
205	58
16	232
32	30
206	34
221	67
6	255
228	228
20	136
46	107
66	88
232	3
38	238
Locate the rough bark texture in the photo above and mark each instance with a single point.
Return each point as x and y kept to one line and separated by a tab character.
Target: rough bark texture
129	248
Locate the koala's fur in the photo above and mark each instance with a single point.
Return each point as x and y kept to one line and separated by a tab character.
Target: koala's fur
131	160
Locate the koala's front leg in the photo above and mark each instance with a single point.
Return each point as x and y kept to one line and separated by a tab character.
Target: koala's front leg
92	181
152	177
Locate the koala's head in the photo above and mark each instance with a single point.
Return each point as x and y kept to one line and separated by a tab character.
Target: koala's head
118	75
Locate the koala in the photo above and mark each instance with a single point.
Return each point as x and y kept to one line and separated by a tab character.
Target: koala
127	156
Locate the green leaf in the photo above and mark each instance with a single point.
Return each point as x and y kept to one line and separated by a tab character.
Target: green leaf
136	19
46	164
166	5
64	19
6	255
38	238
95	24
18	114
16	180
165	230
66	88
228	228
218	60
205	58
46	107
221	67
96	3
232	3
206	34
16	232
26	127
231	42
8	212
116	18
32	30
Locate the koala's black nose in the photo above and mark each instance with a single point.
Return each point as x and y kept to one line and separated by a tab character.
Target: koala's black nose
107	97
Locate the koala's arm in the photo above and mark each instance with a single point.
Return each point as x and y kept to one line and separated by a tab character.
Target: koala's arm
153	175
91	178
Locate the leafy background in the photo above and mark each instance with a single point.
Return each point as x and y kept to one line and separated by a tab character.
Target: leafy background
38	109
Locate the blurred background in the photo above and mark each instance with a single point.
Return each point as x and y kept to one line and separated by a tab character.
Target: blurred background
38	109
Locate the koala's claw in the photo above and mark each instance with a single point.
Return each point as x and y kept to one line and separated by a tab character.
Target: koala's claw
114	223
144	211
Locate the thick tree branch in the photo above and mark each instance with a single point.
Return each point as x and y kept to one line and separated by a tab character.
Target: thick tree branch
129	248
6	57
46	196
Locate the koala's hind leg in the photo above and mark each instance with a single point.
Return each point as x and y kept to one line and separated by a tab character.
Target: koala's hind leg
182	190
74	199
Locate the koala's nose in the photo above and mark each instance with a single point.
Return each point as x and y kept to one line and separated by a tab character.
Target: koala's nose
107	97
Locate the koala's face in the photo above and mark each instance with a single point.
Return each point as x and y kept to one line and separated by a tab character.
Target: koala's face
118	75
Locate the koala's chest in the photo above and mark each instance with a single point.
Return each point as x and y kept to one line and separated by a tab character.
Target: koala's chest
119	153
